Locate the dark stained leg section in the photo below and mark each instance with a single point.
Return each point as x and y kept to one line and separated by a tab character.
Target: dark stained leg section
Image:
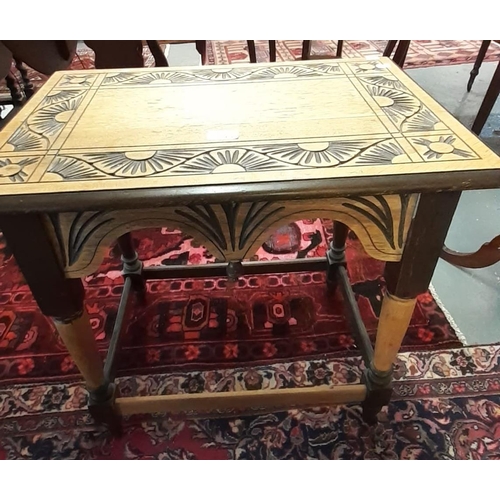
117	53
479	60
63	300
158	54
201	47
272	50
251	51
389	48
405	280
401	52
306	49
340	47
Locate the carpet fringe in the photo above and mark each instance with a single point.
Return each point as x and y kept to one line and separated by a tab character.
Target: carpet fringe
448	316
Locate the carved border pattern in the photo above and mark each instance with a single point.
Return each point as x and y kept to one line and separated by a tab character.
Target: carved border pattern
225	74
40	130
43	126
347	152
233	231
405	110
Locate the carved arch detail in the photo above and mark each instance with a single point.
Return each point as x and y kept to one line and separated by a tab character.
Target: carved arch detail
233	231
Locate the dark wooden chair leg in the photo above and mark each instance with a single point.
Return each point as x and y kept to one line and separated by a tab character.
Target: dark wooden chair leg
340	47
336	253
479	60
488	102
272	50
158	54
27	85
251	51
401	52
306	49
201	47
389	48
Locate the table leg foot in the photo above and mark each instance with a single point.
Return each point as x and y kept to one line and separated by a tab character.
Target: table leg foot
394	321
101	407
378	393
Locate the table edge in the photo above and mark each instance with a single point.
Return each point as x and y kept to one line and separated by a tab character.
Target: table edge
130	199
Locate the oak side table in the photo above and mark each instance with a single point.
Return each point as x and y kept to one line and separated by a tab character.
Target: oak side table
228	154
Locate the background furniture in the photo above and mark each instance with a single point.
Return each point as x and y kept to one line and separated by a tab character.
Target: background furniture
128	53
489	253
307	45
479	60
488	102
253	53
401	47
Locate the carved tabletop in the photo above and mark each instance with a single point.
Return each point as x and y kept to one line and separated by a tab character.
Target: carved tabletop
342	123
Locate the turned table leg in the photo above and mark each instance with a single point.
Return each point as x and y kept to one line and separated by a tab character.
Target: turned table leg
336	253
132	266
405	281
62	299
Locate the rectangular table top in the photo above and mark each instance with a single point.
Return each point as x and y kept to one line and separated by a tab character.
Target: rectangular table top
311	122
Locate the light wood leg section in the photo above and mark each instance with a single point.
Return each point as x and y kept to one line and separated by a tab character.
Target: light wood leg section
79	339
394	321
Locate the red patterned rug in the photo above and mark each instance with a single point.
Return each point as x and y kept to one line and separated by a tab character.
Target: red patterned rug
446	405
422	53
210	323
